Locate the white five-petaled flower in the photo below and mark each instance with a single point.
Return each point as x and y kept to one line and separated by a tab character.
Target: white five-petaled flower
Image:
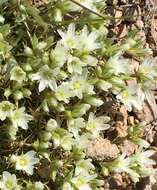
8	181
122	164
83	166
83	140
69	39
26	162
87	41
5	109
75	126
63	92
46	77
81	182
75	65
57	57
17	74
143	157
97	124
80	85
20	119
118	65
148	69
129	97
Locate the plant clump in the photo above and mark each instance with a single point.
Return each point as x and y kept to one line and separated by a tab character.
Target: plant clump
57	68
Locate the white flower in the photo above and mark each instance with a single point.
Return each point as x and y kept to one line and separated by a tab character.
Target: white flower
148	69
5	109
69	39
119	65
17	74
97	124
143	157
81	182
129	97
75	126
122	164
82	141
57	57
20	119
63	92
75	65
46	77
26	162
67	141
8	181
83	166
87	41
80	85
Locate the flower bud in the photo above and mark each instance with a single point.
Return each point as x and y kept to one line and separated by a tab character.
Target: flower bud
28	51
51	125
18	95
44	145
53	102
60	108
94	101
13	158
58	15
7	92
26	92
36	144
2	19
46	136
104	85
80	110
27	67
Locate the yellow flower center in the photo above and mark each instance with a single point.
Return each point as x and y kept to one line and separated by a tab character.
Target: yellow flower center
79	182
9	184
125	95
6	107
76	85
24	161
70	42
91	126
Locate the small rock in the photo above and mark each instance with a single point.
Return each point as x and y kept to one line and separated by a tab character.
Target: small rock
121	129
128	147
102	149
145	114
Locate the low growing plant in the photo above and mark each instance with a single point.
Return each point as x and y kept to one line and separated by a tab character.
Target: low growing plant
57	65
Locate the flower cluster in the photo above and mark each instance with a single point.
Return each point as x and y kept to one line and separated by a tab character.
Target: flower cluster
55	78
137	165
